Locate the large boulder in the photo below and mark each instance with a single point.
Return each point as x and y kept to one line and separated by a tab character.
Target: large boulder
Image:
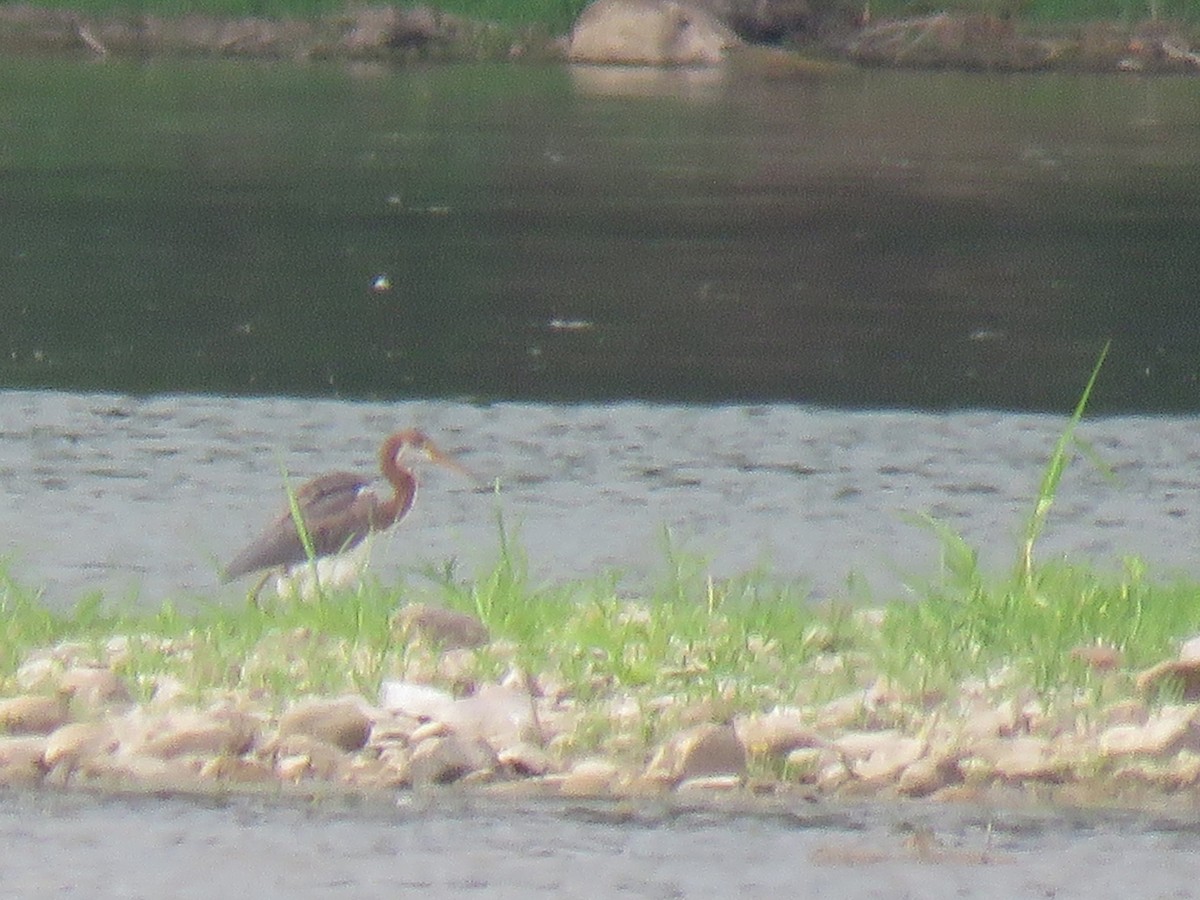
649	33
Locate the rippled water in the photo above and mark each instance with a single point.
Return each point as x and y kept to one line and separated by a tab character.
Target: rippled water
146	496
79	846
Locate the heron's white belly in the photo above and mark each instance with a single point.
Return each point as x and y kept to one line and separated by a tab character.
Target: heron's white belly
308	580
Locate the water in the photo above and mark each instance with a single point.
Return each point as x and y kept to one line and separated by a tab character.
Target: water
197	848
927	240
145	497
777	318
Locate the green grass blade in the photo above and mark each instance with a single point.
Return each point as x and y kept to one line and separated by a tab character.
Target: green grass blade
1052	476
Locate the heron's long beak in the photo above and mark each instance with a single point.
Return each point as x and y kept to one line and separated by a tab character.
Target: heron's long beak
434	455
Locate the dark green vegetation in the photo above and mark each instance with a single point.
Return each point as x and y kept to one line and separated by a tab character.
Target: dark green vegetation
1050	11
557	15
553	14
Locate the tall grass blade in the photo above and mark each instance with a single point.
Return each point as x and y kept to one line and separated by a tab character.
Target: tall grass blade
1053	475
306	540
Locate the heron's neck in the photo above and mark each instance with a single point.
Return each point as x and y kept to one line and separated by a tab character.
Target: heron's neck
404	491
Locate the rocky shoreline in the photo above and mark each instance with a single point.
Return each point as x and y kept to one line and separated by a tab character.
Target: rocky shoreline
73	719
621	32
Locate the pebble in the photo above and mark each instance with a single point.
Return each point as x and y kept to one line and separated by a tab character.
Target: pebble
889	759
1168	731
185	733
445	628
94	687
1182	675
441	760
526	760
77	743
590	778
323	760
697	752
777	733
928	775
21	759
238	770
340	722
1026	758
970	743
706	783
33	713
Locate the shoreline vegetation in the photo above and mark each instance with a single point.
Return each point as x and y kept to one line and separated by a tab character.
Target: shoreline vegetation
1053	682
775	40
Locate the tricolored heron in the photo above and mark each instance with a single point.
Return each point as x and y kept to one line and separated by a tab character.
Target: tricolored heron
340	515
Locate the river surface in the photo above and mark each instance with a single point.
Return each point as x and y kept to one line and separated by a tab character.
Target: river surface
453	846
142	498
884	239
774	318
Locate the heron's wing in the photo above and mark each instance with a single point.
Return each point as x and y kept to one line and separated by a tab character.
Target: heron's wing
337	513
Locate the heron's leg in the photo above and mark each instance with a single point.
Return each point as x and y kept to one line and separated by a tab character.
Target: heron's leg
252	597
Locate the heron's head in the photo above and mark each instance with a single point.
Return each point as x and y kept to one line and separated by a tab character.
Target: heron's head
412	443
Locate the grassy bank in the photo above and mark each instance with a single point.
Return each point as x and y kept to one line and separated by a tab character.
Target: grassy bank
1048	11
635	670
557	15
1035	675
690	642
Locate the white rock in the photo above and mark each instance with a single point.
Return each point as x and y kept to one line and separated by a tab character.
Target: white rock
649	33
421	701
501	716
1189	650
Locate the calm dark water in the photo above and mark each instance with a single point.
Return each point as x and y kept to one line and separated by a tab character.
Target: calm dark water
882	239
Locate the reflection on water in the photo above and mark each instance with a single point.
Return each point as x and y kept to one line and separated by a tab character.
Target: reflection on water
879	239
148	496
690	85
